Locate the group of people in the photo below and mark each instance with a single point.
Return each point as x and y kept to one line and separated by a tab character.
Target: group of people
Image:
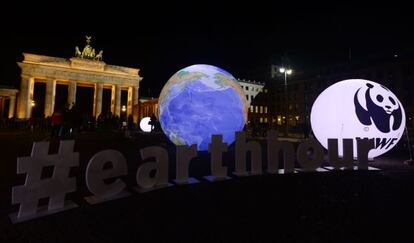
66	122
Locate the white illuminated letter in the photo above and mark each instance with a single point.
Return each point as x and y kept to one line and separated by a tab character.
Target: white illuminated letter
95	175
35	187
348	153
274	147
160	166
310	163
364	146
242	148
184	156
216	149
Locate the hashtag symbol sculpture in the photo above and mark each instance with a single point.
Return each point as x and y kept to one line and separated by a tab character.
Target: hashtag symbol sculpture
35	188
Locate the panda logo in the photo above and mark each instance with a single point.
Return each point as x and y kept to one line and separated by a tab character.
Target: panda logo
382	108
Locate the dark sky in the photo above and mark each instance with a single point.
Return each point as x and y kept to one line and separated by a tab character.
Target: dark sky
242	41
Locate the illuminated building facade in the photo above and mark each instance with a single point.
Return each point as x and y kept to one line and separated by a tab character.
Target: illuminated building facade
7	102
251	89
148	107
85	70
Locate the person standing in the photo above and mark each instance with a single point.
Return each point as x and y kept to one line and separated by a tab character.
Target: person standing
56	123
153	123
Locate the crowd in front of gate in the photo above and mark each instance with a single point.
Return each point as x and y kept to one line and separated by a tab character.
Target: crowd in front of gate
66	122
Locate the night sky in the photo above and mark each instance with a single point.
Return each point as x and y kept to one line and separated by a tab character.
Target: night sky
242	41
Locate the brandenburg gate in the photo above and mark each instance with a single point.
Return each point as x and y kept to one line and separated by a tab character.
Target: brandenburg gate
85	69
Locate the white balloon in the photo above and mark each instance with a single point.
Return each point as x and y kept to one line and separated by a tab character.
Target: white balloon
358	108
144	124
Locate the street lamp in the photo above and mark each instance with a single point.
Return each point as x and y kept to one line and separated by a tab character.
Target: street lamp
32	105
123	116
286	72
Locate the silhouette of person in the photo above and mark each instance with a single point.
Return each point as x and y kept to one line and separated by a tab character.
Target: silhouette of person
153	122
56	121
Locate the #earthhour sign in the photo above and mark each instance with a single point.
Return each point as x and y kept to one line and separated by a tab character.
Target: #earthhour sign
353	119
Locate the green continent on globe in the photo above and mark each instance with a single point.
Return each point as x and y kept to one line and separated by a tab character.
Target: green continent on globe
200	101
181	78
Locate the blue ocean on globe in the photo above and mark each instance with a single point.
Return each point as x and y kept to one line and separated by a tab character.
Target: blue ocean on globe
200	101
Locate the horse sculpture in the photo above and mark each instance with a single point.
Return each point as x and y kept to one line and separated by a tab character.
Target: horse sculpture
78	53
99	56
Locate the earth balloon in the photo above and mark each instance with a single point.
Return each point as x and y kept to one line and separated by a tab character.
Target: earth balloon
200	101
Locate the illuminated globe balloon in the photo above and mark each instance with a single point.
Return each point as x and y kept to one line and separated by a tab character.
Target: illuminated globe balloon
358	108
200	101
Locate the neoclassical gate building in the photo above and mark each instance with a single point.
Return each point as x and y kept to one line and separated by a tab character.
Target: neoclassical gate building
86	69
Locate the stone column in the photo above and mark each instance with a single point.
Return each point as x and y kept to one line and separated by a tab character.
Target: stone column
136	95
50	97
24	107
71	93
29	106
12	104
129	103
98	99
118	100
113	99
2	101
135	105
